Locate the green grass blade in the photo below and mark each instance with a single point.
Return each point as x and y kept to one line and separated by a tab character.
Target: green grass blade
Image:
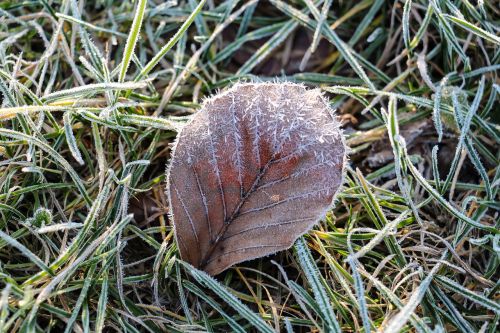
71	140
171	43
311	272
474	29
210	301
91	90
102	305
406	23
475	297
26	252
209	282
278	38
55	155
133	36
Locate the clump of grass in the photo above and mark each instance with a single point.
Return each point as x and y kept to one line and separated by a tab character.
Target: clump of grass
93	95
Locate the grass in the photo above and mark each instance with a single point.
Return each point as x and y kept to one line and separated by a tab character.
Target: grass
93	94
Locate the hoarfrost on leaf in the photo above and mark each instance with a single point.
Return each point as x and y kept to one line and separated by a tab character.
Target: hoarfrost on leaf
255	168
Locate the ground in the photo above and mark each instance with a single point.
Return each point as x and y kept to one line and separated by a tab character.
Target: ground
93	94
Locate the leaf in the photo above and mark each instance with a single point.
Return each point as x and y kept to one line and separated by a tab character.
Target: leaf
254	169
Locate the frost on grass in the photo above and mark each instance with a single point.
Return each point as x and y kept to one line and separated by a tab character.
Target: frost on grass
256	168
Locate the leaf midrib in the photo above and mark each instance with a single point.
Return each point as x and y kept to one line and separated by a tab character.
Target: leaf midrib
220	236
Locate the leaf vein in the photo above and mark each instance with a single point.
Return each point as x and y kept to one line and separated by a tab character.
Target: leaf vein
295	197
271	225
204	200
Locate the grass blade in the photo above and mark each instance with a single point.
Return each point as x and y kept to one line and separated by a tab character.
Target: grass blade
209	282
171	43
472	28
133	36
312	275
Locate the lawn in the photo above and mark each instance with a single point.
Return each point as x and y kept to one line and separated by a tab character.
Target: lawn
94	94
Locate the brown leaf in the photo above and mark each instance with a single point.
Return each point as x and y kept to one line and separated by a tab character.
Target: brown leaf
256	168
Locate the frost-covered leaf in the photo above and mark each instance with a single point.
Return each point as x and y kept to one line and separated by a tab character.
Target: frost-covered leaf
256	168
